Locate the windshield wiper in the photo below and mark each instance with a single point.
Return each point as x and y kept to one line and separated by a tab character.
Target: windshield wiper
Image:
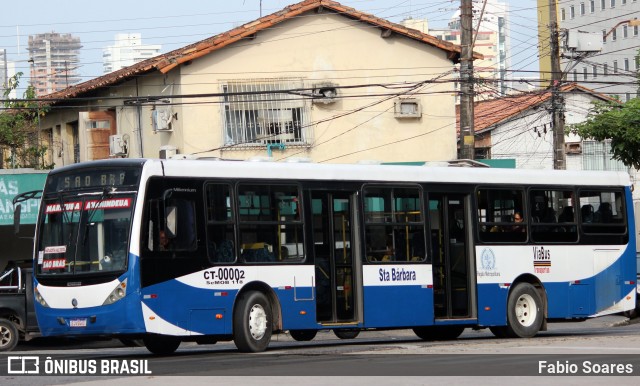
106	192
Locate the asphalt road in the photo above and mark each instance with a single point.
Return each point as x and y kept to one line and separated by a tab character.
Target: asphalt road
375	357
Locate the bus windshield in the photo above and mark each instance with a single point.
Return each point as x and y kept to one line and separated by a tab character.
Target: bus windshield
80	235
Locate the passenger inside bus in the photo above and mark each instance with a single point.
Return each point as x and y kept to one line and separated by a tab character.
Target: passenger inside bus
604	214
456	231
565	217
164	242
542	212
389	254
586	213
517	218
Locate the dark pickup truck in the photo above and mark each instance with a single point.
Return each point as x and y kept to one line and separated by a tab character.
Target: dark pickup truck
17	314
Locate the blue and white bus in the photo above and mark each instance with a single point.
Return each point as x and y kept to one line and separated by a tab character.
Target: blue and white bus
203	250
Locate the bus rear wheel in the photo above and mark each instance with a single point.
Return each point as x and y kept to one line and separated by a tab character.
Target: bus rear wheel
438	332
252	322
303	335
524	312
346	333
161	344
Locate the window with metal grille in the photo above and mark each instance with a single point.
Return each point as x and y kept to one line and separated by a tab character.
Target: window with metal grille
262	112
597	156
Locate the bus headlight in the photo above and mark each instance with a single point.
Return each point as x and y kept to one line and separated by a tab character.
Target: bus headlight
39	298
118	293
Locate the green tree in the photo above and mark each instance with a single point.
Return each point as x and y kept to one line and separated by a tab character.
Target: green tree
619	122
19	128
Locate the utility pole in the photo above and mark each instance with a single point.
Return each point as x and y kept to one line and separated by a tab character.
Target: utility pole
5	84
467	135
557	101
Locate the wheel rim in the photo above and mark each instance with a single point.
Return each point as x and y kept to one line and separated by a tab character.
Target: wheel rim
5	336
257	321
526	310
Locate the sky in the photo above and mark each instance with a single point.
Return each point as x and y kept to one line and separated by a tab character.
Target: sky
176	24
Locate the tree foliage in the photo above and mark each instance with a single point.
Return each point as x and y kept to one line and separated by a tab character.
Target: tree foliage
618	122
19	128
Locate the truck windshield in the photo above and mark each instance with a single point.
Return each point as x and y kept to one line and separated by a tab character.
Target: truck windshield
79	235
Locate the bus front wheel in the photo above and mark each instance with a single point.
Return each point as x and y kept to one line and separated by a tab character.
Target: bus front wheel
8	335
524	312
252	322
161	344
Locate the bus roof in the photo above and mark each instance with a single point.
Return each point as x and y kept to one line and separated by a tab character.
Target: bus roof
360	172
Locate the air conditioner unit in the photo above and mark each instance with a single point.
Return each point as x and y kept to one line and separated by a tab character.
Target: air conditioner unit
117	146
161	118
168	151
325	93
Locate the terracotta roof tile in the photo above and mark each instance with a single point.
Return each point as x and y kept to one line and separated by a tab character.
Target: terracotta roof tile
253	24
487	114
166	62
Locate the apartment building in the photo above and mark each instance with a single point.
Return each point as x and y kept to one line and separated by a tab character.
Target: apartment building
54	60
612	71
127	50
491	40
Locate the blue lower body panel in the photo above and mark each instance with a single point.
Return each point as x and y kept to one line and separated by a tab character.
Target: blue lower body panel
122	317
398	306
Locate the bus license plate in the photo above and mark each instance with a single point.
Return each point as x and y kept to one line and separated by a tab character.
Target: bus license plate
78	322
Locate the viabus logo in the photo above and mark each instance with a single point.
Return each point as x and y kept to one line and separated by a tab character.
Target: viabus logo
23	365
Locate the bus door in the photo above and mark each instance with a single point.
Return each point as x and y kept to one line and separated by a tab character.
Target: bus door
334	248
451	257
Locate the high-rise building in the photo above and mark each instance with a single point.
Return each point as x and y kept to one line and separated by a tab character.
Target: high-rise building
491	40
54	60
127	50
612	71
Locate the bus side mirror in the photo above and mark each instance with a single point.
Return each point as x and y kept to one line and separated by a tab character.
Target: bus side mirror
16	218
171	223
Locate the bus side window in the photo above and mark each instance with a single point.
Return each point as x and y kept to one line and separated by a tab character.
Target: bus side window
172	227
183	232
607	223
497	210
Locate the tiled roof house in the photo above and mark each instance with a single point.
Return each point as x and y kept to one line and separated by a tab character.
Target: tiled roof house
519	127
315	79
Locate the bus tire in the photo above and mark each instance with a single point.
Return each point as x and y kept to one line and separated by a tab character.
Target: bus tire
303	335
438	332
524	312
161	344
499	331
252	322
346	333
8	335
